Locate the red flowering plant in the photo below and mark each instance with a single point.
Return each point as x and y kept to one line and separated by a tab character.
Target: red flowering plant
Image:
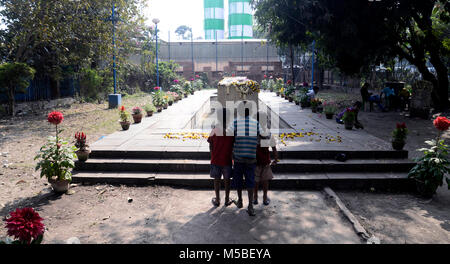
400	132
80	141
26	226
124	115
56	157
434	166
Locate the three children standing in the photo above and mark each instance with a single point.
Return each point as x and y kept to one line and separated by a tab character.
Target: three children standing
239	145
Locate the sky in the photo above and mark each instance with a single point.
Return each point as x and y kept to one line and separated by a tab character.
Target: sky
174	13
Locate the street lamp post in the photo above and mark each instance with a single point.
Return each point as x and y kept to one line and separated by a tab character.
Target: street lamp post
156	21
114	99
312	68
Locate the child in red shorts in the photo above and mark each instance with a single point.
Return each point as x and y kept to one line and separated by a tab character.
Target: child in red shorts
221	148
263	171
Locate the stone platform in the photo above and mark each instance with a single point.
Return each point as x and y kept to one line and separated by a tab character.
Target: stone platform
143	155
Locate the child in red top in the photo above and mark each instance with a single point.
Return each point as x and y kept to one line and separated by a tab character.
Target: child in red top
221	148
263	171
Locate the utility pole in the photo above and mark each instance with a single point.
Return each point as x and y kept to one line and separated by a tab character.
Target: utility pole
312	69
192	54
115	99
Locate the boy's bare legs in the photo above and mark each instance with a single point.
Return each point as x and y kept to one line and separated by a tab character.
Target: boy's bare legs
255	192
227	192
239	202
265	185
217	191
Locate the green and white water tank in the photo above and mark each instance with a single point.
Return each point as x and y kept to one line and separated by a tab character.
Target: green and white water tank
214	19
240	19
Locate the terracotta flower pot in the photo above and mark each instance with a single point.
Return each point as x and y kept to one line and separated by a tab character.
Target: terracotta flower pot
348	125
314	109
166	106
320	109
125	125
170	103
159	109
329	116
59	186
185	95
137	118
278	93
297	103
398	144
149	113
291	99
83	155
192	93
426	191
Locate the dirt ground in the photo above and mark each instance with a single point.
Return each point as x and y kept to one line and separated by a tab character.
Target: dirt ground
394	218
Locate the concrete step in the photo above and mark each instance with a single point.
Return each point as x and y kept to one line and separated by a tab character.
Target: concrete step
282	181
284	166
304	154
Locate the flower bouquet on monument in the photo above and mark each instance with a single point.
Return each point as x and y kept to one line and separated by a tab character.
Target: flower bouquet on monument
137	114
433	167
56	157
124	118
25	226
83	148
399	136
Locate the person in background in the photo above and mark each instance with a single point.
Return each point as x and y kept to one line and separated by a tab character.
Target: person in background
369	97
404	95
312	93
356	107
388	93
221	148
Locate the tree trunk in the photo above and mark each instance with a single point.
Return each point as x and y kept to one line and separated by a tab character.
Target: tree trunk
11	101
54	86
321	77
441	86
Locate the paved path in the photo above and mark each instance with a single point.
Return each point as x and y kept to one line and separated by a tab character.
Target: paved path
187	216
149	135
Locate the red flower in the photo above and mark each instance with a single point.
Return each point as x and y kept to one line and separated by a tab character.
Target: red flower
233	75
55	118
192	79
122	108
197	76
265	76
156	88
25	225
401	125
289	82
441	123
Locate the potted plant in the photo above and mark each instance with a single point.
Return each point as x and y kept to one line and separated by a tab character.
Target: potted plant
329	109
150	109
170	98
137	114
399	136
83	148
349	118
304	101
158	99
314	104
124	118
56	158
296	100
433	167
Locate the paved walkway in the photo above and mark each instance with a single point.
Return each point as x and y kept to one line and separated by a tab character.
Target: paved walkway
317	132
187	216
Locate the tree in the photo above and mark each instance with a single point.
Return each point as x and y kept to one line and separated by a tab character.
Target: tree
56	35
14	77
184	32
360	34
